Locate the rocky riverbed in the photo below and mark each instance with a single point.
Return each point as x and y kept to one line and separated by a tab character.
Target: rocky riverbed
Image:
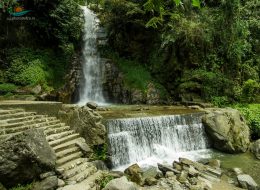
182	175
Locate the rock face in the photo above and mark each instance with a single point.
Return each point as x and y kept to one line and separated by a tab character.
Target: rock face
255	148
24	157
117	92
86	122
227	129
247	182
120	184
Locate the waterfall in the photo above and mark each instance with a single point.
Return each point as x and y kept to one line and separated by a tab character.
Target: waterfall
91	85
156	139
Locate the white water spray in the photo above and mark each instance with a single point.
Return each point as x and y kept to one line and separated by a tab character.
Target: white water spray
91	86
152	140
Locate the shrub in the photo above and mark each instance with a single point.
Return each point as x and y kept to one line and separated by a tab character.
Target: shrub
252	115
6	87
220	101
104	180
250	91
28	67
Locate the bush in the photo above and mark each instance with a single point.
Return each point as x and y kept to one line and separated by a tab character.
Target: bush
250	91
104	180
220	101
252	115
210	85
28	67
6	87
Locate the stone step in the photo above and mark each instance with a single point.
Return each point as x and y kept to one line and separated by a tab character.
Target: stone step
10	111
31	122
78	169
64	140
16	115
70	165
52	125
90	181
67	152
68	158
26	127
51	130
57	136
67	145
82	175
23	119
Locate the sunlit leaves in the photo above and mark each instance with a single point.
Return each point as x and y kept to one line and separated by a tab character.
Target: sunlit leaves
177	2
196	3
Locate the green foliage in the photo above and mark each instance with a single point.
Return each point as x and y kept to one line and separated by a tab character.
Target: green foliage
23	187
30	67
208	84
100	152
220	101
250	91
252	115
7	88
104	180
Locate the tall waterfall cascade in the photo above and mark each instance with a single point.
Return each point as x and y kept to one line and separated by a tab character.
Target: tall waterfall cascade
149	140
91	85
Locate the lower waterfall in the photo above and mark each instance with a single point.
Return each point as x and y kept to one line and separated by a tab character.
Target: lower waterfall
148	140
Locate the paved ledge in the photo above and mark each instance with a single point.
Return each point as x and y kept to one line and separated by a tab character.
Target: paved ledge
41	107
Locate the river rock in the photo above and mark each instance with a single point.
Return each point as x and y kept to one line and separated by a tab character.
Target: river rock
151	172
214	163
92	105
150	181
36	90
255	148
165	168
100	165
49	183
247	182
120	184
24	157
134	173
227	129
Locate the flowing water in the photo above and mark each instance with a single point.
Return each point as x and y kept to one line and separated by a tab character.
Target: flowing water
149	140
91	85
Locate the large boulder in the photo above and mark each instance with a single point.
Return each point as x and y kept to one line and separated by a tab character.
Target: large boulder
227	129
24	157
120	184
86	122
49	183
255	148
247	182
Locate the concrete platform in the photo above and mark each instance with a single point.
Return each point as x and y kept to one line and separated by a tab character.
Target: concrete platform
41	107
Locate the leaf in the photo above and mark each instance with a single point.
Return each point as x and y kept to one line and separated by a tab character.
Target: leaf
177	2
196	3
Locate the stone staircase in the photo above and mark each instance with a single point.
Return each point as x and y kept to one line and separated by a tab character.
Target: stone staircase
72	167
